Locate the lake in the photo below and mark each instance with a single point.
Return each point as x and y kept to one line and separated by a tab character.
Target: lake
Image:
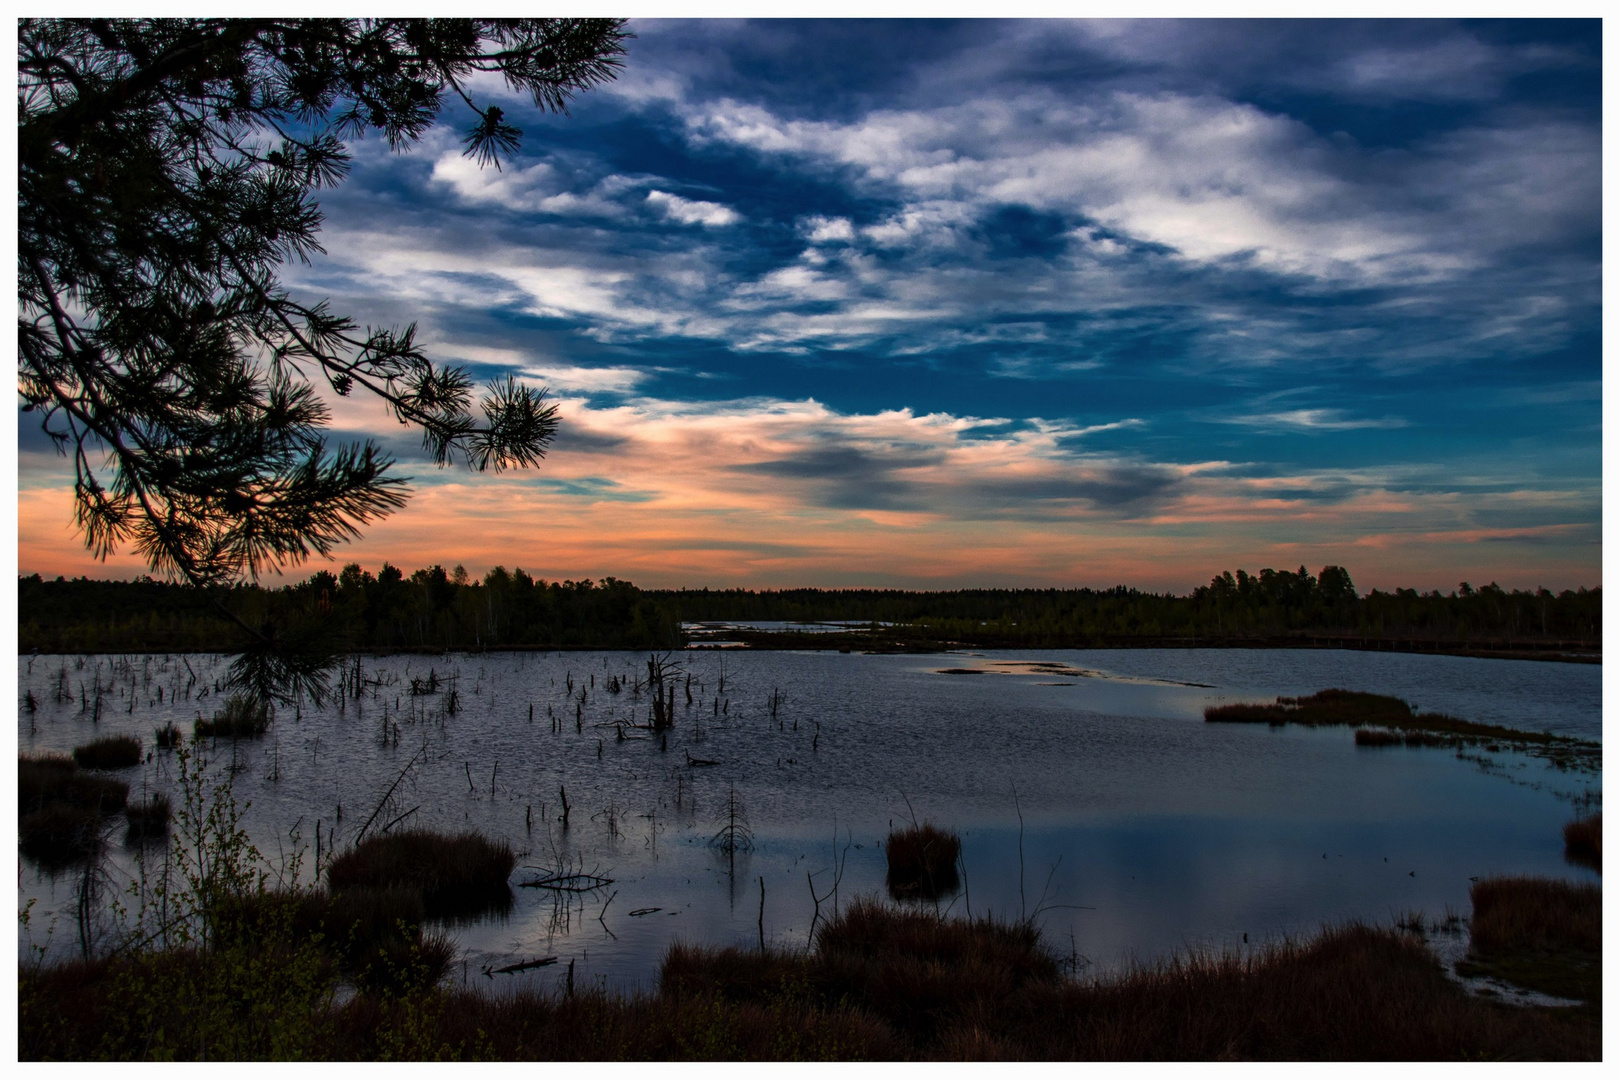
1085	785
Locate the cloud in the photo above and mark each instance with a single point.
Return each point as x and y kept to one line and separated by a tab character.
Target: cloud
690	211
1314	420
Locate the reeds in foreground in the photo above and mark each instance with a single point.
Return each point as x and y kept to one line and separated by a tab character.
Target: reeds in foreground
922	862
1583	841
461	874
1539	933
109	753
880	985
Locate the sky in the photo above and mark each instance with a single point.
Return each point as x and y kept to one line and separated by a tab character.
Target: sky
983	304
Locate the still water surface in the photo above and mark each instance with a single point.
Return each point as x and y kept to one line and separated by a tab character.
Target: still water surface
1143	829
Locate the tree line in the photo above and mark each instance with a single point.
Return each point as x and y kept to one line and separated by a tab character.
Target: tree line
436	609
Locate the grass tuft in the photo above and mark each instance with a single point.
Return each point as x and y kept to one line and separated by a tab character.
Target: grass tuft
1538	933
148	819
169	736
111	752
240	718
1583	841
455	875
922	862
56	778
59	835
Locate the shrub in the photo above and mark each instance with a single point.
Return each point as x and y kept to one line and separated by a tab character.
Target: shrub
240	718
455	875
1583	841
112	752
922	862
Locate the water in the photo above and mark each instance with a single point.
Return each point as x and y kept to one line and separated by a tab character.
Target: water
1090	792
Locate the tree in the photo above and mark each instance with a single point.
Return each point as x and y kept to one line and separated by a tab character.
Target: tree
166	168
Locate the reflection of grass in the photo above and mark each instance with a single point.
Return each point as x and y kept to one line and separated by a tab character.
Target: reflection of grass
1583	841
1353	708
922	862
1538	933
880	984
112	752
454	875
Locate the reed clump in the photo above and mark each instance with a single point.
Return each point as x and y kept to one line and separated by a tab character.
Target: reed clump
149	818
1357	709
55	778
109	753
455	875
59	834
169	736
879	984
1377	737
239	718
1539	933
1583	841
922	862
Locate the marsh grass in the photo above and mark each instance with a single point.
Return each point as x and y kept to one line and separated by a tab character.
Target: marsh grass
1377	737
922	862
109	753
1356	709
59	834
168	736
1539	933
55	778
148	819
454	875
1583	841
239	718
880	984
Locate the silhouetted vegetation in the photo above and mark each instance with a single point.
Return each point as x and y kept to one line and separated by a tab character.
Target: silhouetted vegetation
431	609
1538	933
54	778
110	752
1275	607
239	718
1353	708
1583	841
168	736
437	609
454	875
149	818
880	984
922	862
59	834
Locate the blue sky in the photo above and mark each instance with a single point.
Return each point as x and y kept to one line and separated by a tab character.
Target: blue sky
994	303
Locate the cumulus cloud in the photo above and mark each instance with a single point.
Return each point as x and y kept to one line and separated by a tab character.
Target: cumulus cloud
691	211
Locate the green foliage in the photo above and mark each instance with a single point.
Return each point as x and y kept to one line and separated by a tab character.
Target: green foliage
167	167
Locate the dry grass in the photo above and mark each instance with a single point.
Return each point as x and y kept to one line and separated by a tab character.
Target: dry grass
1583	841
112	752
169	736
1377	737
454	875
883	984
59	834
1353	708
922	862
1538	933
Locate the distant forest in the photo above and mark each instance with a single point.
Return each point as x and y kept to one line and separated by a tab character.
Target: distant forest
435	609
